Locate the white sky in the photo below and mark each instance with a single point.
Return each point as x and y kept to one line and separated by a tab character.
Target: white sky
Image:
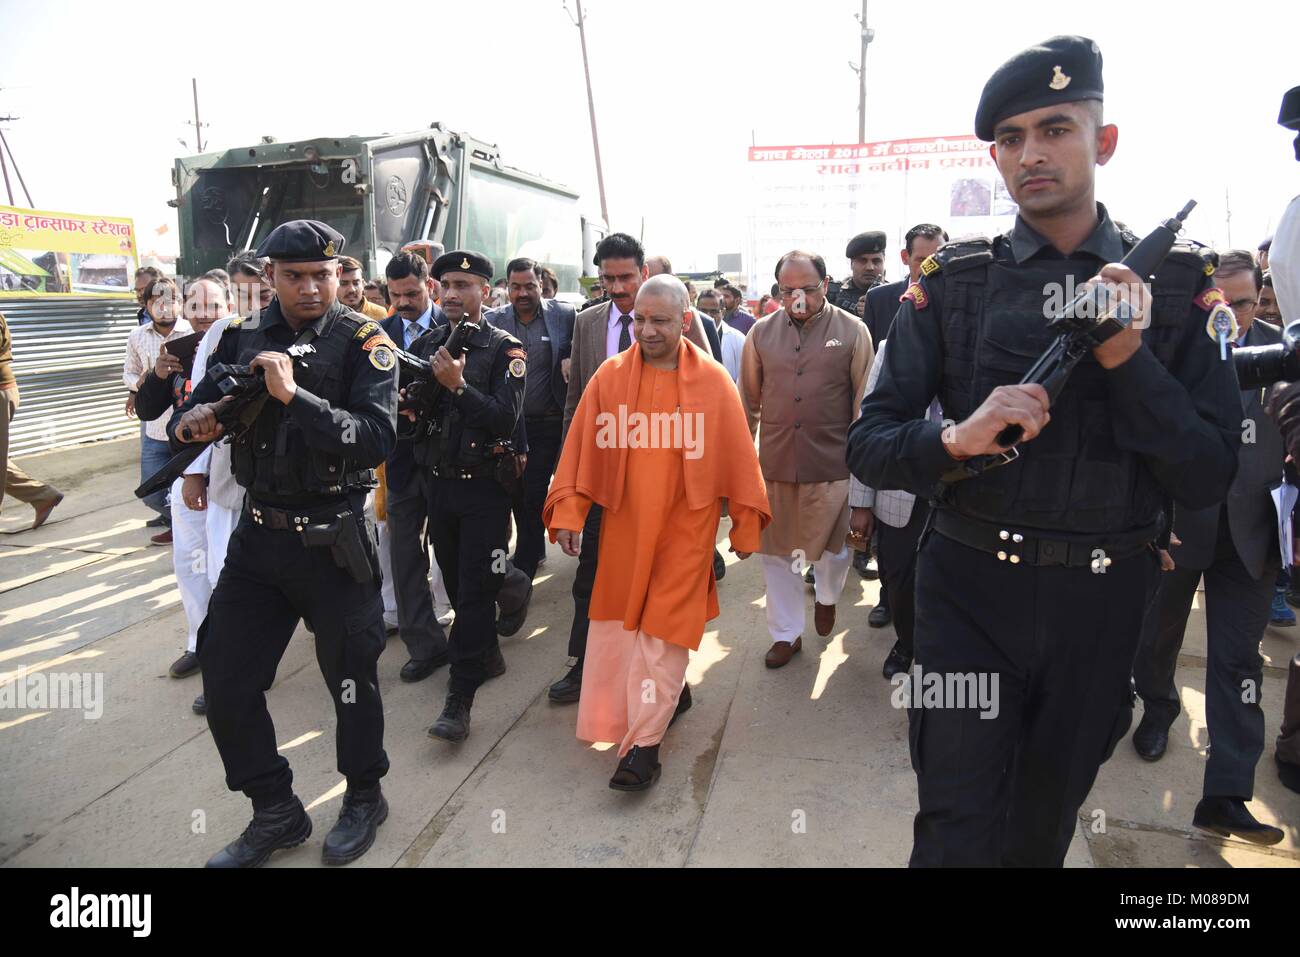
682	87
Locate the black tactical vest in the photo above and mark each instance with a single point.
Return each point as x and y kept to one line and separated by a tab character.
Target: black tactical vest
458	444
1072	477
272	458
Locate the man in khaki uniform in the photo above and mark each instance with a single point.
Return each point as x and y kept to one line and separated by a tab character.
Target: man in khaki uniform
17	483
802	375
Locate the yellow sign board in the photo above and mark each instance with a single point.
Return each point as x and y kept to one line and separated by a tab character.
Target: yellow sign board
44	253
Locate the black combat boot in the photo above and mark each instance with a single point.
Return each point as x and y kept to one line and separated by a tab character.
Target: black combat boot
453	723
364	809
281	825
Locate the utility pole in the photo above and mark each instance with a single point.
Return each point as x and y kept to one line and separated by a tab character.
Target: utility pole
4	148
581	23
198	127
860	69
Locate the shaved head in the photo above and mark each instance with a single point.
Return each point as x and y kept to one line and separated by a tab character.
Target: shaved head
669	287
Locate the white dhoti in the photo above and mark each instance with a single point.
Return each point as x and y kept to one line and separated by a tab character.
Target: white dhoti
786	603
190	560
221	522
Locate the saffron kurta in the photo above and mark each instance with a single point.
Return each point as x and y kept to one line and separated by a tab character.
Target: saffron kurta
661	505
654	538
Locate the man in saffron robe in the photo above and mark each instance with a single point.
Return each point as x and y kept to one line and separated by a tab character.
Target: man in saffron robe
658	440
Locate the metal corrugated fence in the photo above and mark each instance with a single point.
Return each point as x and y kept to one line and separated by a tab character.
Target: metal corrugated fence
68	361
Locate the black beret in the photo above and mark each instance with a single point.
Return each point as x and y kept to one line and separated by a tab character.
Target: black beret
302	241
462	260
1059	70
1289	115
872	241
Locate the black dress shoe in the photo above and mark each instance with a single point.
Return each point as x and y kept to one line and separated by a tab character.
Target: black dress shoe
684	703
862	564
495	666
199	706
417	669
719	566
1229	817
569	688
879	617
510	622
282	825
638	770
896	663
1151	738
184	666
359	819
453	724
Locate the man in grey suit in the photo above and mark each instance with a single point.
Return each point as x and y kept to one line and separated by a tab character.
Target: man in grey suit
411	289
1235	546
601	331
548	343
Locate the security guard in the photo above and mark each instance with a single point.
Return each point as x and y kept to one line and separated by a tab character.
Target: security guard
1033	577
866	255
469	508
303	548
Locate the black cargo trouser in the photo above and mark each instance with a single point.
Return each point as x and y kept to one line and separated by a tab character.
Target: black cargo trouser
269	581
896	558
584	582
468	522
1006	789
543	451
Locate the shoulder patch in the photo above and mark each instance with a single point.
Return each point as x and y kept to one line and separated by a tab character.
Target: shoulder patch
1222	326
378	339
1206	300
916	295
516	352
518	367
382	358
368	328
929	266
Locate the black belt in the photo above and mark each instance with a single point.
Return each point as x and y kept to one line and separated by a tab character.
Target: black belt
484	470
1017	546
293	519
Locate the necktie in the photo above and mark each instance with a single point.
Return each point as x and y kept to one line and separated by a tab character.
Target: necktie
412	332
624	338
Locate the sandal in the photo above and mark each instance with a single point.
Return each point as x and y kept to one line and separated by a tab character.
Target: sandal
638	770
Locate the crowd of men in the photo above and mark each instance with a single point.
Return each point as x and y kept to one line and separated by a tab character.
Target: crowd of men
844	420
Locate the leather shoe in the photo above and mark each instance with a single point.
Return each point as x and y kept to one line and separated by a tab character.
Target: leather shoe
779	655
184	666
494	666
896	663
453	724
638	770
417	669
568	689
879	617
282	825
719	566
359	819
1151	738
200	705
684	703
510	622
1229	817
43	511
823	618
862	564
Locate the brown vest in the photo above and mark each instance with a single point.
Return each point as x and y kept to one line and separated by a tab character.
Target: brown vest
808	398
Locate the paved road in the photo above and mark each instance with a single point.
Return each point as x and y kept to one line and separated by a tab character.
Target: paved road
803	766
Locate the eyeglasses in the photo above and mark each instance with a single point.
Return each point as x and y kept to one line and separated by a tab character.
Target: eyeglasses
806	290
1243	305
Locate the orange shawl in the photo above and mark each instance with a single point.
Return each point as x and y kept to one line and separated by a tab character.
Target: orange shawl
727	468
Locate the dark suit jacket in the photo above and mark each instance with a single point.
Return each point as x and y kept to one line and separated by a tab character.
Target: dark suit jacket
559	317
882	306
401	463
1252	519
